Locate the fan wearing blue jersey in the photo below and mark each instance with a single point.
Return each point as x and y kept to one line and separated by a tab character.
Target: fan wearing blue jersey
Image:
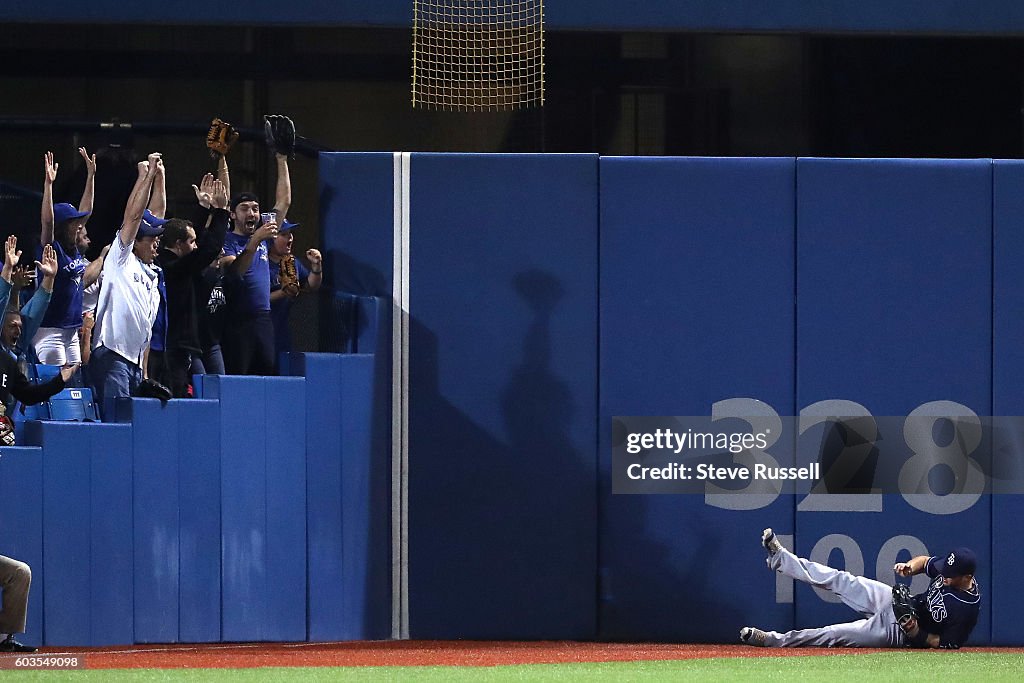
64	227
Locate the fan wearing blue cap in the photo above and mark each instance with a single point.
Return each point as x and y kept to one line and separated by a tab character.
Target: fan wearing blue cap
57	340
129	298
282	297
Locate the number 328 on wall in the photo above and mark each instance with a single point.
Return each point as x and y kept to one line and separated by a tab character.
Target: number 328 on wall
913	476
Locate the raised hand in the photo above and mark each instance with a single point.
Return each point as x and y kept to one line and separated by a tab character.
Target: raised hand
143	167
90	161
11	252
154	160
315	259
23	277
204	191
219	194
48	266
49	168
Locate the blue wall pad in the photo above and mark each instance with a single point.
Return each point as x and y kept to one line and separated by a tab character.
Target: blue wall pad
286	427
156	433
21	518
697	271
177	519
356	208
894	283
357	214
199	532
1007	398
263	506
502	394
348	487
87	532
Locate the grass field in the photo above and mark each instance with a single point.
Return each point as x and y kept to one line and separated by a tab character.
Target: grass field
902	666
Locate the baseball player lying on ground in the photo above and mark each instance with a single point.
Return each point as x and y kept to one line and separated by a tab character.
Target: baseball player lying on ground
943	616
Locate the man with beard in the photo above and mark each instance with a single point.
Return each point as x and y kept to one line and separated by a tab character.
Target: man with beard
248	336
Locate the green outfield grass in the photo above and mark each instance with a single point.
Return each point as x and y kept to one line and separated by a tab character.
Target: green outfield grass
896	666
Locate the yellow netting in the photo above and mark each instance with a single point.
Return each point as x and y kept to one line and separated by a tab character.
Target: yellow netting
477	55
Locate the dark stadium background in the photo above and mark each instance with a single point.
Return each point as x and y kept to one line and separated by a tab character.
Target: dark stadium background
606	92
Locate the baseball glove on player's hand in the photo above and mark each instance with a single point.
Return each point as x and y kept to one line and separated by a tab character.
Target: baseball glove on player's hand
280	132
289	278
220	137
903	605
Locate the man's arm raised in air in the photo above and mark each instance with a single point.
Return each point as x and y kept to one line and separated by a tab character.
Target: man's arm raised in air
283	193
138	199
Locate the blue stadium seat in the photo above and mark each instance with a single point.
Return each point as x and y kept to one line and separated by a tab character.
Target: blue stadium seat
70	404
75	404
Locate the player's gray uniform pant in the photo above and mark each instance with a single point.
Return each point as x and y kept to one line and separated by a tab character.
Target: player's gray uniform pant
15	579
870	598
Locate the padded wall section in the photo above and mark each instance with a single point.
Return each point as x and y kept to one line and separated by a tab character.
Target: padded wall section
894	299
697	272
87	532
357	199
348	487
502	394
156	433
21	518
1007	398
176	493
263	506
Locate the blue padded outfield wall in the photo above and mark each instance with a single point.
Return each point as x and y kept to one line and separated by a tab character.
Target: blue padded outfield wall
528	299
696	309
725	287
187	522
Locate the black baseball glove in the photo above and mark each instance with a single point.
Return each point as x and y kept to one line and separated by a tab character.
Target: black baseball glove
903	604
150	388
280	132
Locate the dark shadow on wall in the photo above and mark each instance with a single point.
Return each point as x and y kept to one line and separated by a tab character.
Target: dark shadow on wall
502	532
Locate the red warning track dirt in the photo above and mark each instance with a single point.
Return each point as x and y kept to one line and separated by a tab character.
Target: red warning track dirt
417	653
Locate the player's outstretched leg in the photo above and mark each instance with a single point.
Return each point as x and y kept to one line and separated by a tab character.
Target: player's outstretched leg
863	595
878	631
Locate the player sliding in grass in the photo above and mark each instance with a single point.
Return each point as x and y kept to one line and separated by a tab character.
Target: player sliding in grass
943	616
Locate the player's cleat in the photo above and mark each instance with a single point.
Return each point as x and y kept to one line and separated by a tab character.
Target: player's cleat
753	636
11	645
770	542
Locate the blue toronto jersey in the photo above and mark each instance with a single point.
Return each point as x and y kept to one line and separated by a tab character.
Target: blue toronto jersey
948	612
65	309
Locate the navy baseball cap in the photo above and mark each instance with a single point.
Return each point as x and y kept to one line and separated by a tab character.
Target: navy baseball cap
287	227
151	226
243	197
959	562
66	212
